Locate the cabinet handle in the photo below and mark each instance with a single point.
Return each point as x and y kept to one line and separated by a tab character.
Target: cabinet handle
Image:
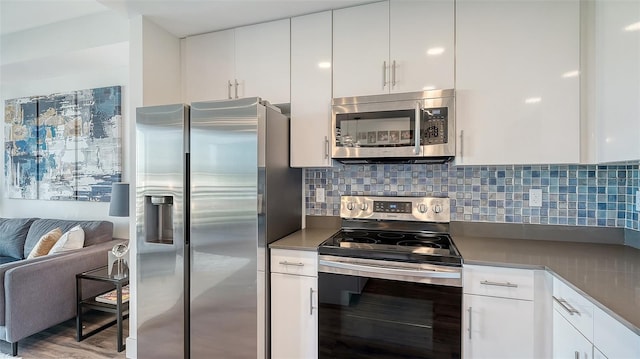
229	89
235	81
577	354
384	74
416	135
498	284
566	306
393	74
461	144
285	263
470	318
311	307
326	147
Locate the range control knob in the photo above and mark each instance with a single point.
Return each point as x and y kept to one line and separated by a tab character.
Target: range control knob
422	208
350	206
364	206
437	208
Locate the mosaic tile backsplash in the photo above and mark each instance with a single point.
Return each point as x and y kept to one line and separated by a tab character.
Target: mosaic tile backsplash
583	195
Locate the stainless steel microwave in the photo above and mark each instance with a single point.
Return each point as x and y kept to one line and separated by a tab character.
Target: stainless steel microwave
416	127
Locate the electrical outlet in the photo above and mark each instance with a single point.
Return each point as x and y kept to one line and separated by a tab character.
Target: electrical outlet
319	194
535	197
637	201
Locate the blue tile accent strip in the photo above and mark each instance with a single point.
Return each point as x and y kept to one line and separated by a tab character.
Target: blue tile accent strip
582	195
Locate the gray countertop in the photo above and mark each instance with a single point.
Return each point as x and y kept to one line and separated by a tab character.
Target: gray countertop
607	273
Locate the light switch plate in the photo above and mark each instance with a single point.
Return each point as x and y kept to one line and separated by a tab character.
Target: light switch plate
535	197
319	194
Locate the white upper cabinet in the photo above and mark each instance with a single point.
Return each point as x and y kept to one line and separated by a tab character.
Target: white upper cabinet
397	46
209	65
311	90
518	82
361	50
421	45
262	55
243	62
617	80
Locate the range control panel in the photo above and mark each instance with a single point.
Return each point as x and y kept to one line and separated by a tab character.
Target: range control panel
426	209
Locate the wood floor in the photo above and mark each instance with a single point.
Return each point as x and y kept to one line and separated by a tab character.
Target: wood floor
59	342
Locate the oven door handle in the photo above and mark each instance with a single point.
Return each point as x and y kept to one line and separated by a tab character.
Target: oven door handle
386	269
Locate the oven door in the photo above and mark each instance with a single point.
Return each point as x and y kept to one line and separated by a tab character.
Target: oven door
373	309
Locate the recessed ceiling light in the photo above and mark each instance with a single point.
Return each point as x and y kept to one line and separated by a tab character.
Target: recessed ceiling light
324	65
571	74
533	100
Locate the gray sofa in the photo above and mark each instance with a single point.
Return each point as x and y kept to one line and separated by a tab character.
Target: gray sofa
38	293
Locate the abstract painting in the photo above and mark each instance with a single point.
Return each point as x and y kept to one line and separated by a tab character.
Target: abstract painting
64	146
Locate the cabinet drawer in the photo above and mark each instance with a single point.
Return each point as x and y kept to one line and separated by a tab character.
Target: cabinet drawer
613	338
294	262
577	309
499	282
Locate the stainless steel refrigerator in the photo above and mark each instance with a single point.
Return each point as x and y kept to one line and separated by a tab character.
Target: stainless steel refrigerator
214	188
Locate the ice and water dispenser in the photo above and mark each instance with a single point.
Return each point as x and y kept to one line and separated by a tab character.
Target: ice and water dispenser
158	221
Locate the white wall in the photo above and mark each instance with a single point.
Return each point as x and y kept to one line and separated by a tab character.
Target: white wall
155	64
83	53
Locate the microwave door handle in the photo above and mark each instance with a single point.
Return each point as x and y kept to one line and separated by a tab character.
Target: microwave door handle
416	134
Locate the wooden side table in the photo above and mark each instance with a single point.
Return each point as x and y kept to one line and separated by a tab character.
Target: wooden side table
120	309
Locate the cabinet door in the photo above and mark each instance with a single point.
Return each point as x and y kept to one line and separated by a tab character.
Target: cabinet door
421	45
361	50
294	317
209	66
311	90
568	343
617	84
497	327
263	61
517	82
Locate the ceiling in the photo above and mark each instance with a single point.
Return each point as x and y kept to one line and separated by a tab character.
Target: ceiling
180	17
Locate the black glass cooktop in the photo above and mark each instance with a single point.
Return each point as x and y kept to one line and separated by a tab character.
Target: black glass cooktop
428	247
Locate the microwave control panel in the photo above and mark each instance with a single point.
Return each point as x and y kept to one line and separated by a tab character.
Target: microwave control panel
434	126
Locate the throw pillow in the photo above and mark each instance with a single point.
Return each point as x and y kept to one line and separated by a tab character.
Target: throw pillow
45	243
70	240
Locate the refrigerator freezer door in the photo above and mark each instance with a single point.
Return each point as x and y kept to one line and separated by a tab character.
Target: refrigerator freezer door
160	138
224	229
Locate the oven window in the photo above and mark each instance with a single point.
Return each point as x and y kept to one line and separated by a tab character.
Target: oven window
366	317
375	129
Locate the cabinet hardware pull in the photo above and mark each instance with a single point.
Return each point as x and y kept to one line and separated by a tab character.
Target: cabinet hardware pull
229	89
235	81
416	132
461	144
384	74
285	263
326	147
393	74
577	355
311	307
566	306
470	318
498	284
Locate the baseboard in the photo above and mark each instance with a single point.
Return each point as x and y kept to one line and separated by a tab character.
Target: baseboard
132	348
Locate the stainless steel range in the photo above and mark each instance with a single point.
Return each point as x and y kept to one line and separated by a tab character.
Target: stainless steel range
390	281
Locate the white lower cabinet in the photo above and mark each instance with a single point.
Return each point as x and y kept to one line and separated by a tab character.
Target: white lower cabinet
568	342
294	300
499	313
498	327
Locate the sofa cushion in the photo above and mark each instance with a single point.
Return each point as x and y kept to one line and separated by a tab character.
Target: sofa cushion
45	243
5	259
94	231
70	240
13	234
